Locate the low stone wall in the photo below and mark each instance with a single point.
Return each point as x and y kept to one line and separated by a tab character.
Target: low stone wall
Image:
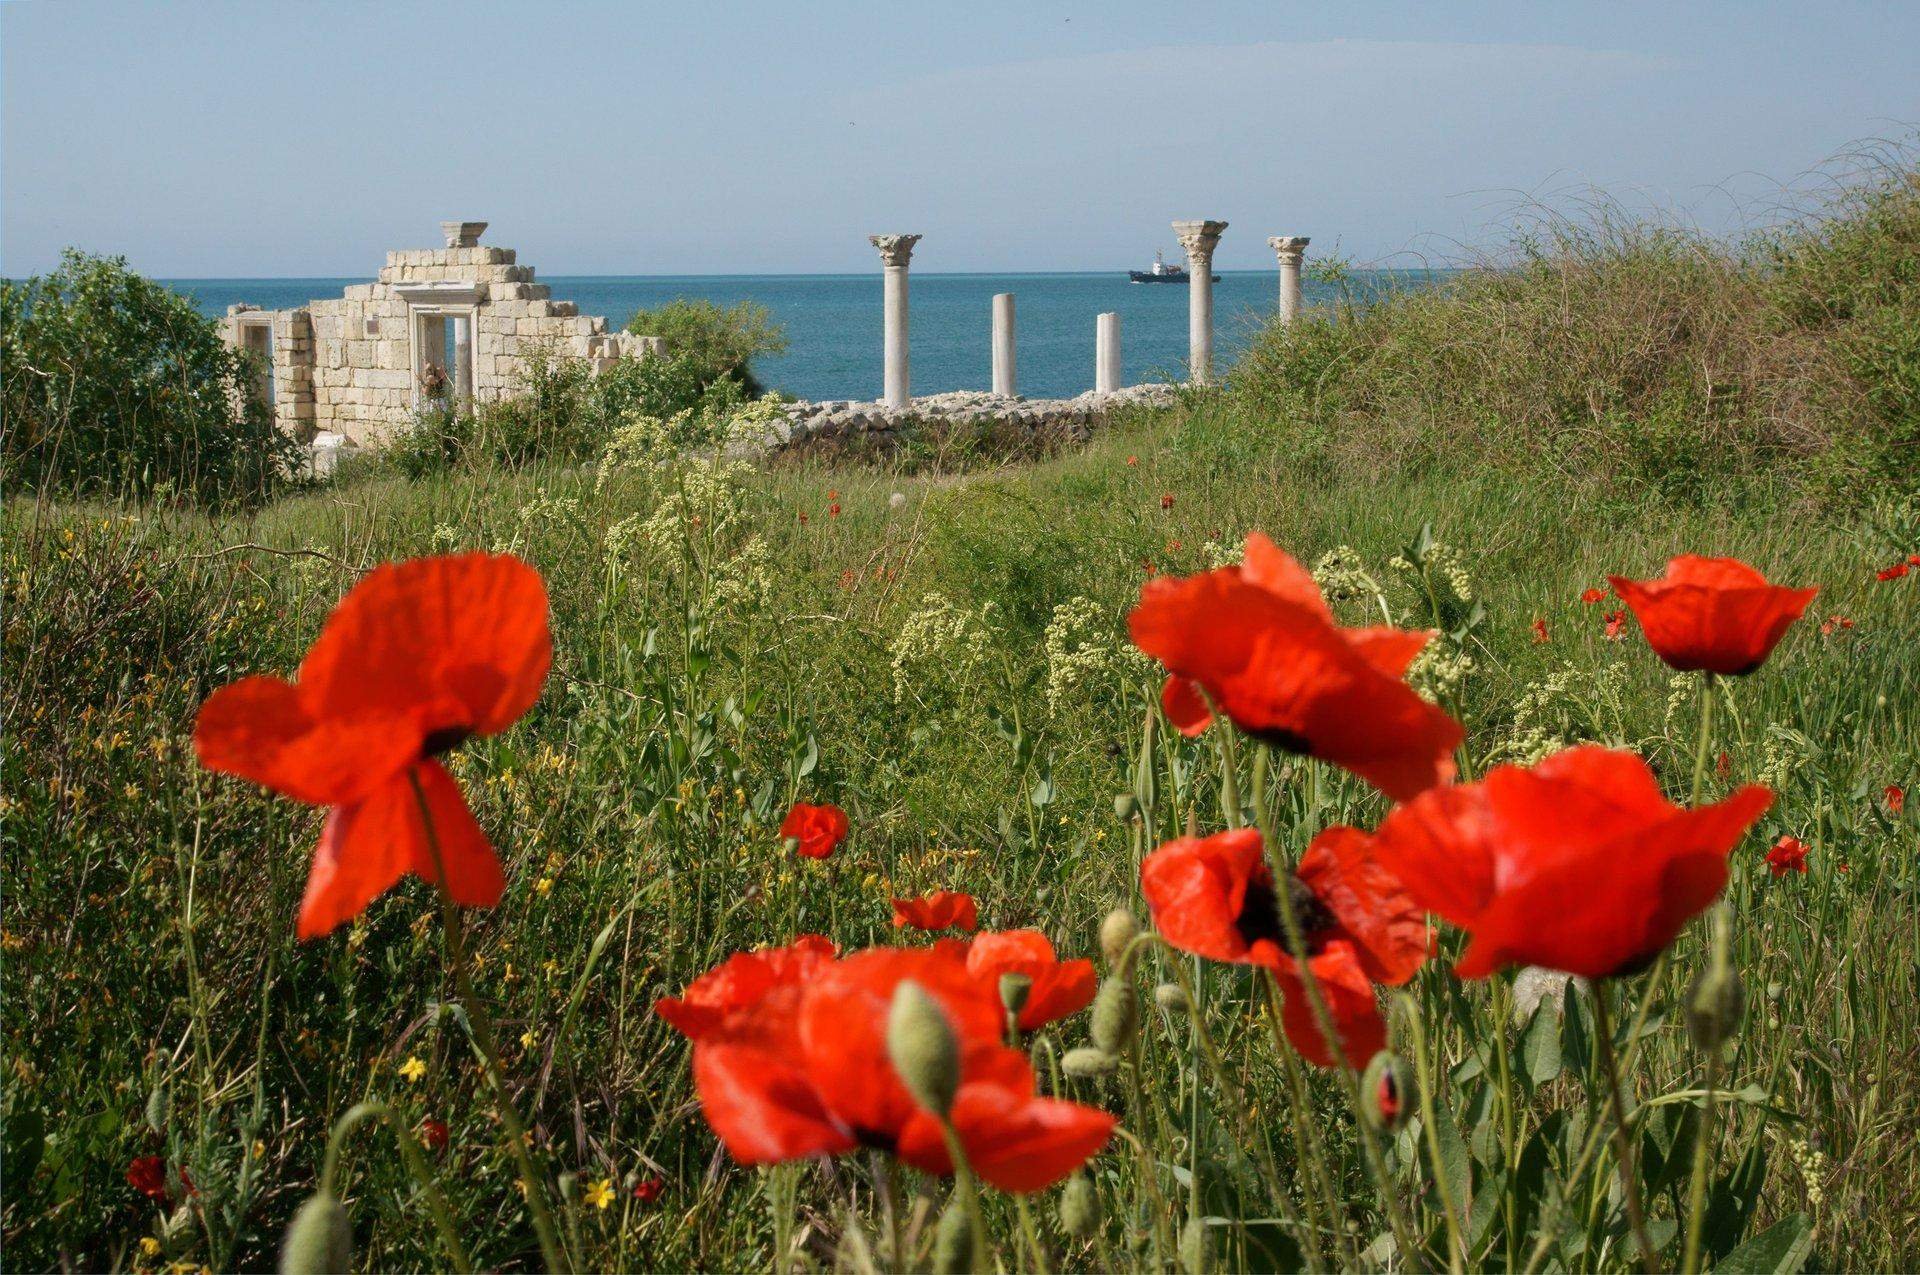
843	425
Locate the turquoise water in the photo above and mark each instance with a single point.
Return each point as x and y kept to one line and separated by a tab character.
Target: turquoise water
833	321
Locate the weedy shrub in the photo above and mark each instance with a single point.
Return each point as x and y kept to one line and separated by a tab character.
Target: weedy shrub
718	342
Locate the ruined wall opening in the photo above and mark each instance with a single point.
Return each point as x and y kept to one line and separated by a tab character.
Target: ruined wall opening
442	356
257	339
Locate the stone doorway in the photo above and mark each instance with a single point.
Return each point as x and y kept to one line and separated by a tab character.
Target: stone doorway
256	338
442	354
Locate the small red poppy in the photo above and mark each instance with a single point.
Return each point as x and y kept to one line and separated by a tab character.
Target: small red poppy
1578	864
1896	798
1060	988
1166	500
941	910
147	1174
1386	1099
741	981
1713	614
803	517
1215	897
814	830
1893	572
1789	854
1723	766
1835	624
435	1134
1540	631
1132	461
416	658
1592	596
1616	625
647	1190
1262	643
833	510
808	1073
1913	559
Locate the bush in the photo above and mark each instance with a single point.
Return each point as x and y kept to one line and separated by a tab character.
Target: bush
1654	358
721	342
114	385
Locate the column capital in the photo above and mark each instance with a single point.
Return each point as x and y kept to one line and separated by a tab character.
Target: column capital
1199	238
895	250
1289	247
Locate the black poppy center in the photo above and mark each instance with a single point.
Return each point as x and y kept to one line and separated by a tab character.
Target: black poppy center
1285	740
875	1139
444	740
1260	914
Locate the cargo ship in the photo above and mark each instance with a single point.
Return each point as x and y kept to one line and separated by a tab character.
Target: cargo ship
1161	272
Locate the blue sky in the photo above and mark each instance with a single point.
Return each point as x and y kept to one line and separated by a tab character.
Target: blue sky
282	139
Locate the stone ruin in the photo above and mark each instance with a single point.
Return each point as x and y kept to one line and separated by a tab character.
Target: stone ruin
460	321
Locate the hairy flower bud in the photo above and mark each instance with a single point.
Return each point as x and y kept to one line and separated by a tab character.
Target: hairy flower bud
1389	1090
953	1241
1117	932
319	1240
1014	990
1079	1210
921	1043
1172	997
1126	807
157	1108
1716	1002
1087	1063
1116	1014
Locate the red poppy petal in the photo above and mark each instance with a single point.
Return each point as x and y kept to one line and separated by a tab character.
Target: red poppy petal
1196	888
1266	565
1369	902
258	728
474	875
463	639
1184	706
1058	993
1388	650
1023	1146
762	1108
1350	1005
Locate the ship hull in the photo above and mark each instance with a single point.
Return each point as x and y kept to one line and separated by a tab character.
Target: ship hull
1171	276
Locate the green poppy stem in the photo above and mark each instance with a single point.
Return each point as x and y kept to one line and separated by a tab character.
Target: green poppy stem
416	1165
480	1032
1622	1142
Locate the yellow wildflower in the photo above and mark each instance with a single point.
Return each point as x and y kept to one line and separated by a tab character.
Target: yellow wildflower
543	887
599	1194
412	1069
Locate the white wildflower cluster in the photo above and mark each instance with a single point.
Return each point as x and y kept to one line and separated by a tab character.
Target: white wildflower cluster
1445	564
1564	709
1219	555
445	536
745	578
1439	671
709	501
1343	576
940	636
1681	688
1812	1164
646	442
621	539
542	511
1084	649
1783	753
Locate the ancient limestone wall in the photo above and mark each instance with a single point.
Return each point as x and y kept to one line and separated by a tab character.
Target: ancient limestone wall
362	364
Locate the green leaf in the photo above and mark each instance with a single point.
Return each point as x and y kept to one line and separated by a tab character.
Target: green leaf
1731	1202
1540	1049
1781	1249
1576	1030
1455	1166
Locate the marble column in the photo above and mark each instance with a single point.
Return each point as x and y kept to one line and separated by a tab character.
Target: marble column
1003	360
462	356
1199	238
1106	353
895	252
1292	250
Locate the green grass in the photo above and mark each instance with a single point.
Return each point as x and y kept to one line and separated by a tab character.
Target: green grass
702	684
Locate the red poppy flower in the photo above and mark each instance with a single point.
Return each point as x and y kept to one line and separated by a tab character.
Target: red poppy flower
1723	765
1060	988
807	1073
1893	572
1214	897
740	982
1386	1099
1789	854
1577	864
1540	631
833	510
803	517
1592	596
647	1190
417	657
1132	461
1896	798
435	1134
1913	559
1616	625
815	830
1261	642
147	1174
1834	624
941	910
1713	614
1166	500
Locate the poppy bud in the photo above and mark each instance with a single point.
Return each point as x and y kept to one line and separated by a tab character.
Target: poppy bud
953	1241
1117	932
157	1109
1389	1089
1087	1063
1172	997
1115	1016
1716	1002
1126	807
1193	1245
1079	1210
1014	990
920	1042
319	1240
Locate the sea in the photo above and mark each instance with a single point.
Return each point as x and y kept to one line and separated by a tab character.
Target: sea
833	322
